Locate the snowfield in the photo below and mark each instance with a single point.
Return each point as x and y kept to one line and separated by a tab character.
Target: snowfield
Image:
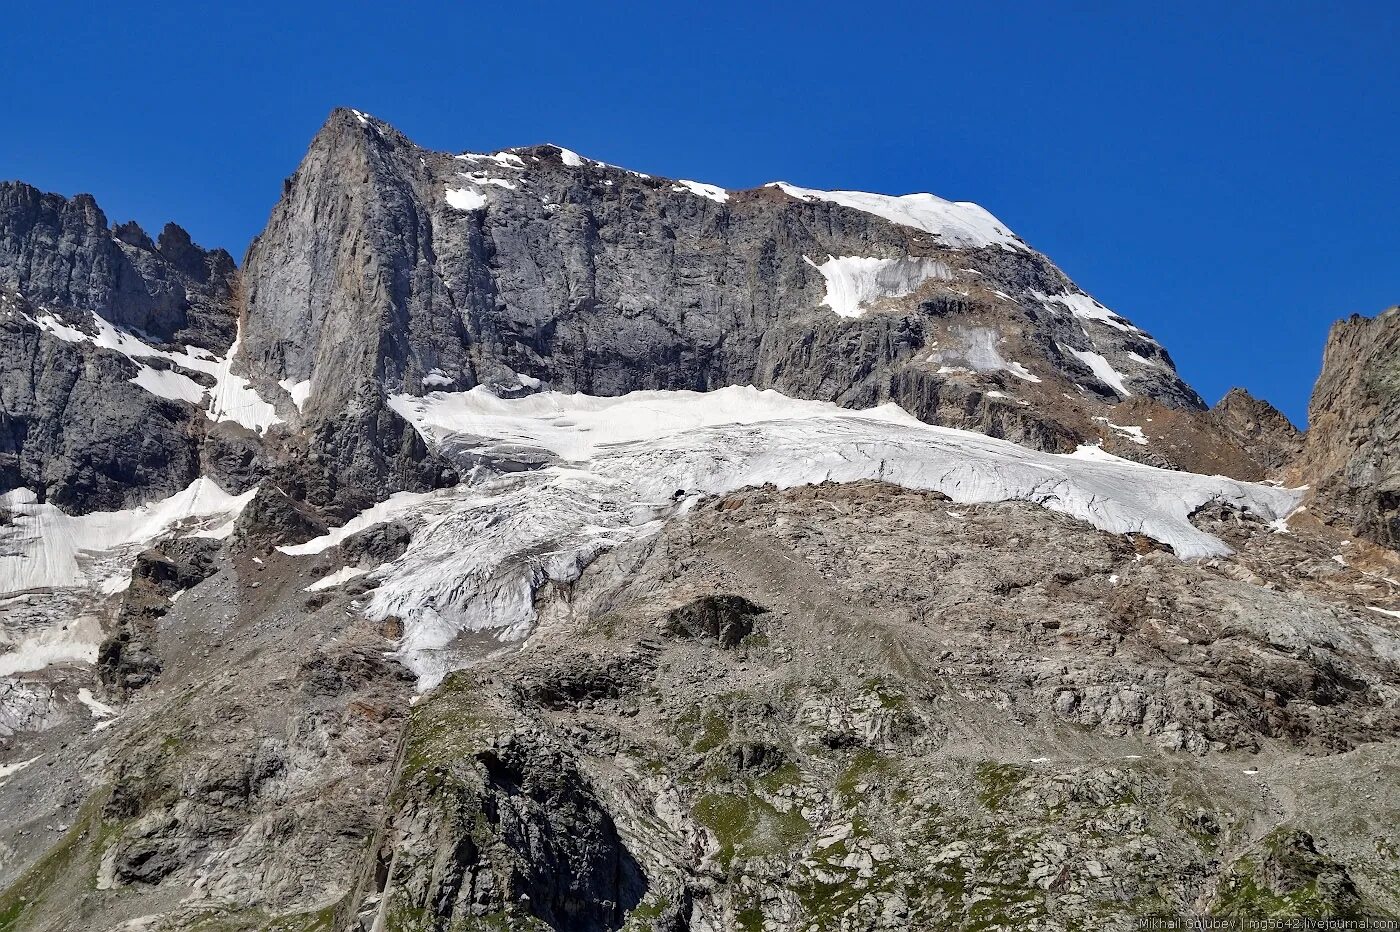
601	471
231	399
45	548
854	283
55	567
613	469
961	224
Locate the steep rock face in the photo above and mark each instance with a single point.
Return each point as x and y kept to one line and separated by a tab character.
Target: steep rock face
59	251
81	424
1258	427
127	660
76	430
512	826
387	268
1352	456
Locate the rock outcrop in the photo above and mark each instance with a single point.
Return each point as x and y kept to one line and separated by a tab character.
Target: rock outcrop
1262	430
59	252
128	659
390	269
1352	455
80	424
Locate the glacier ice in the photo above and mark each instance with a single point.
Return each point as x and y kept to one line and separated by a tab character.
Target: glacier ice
614	469
55	567
43	547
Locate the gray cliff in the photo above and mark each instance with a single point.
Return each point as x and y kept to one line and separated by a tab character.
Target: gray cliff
1352	456
578	276
74	429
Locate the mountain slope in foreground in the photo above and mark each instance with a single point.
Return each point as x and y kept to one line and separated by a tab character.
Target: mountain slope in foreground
522	542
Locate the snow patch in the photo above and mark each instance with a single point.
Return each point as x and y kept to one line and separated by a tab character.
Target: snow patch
231	399
711	191
1134	434
234	399
299	391
339	577
395	506
957	223
1085	308
97	708
853	283
977	347
464	199
503	159
1102	369
169	384
9	770
569	157
73	640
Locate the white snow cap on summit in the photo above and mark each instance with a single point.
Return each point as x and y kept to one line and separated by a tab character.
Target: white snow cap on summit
712	191
957	223
569	157
960	224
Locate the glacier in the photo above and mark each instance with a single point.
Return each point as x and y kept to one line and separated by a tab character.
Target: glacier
607	470
555	480
960	224
56	568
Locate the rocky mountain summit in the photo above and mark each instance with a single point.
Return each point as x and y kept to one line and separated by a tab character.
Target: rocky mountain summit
518	541
81	427
390	269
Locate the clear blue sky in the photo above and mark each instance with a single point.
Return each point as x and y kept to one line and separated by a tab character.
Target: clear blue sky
1227	175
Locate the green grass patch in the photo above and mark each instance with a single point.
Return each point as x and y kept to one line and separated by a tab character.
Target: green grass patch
747	826
997	783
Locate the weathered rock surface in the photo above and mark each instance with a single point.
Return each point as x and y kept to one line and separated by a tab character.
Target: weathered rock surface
1258	427
127	659
724	619
1352	455
929	732
584	277
74	428
272	518
512	827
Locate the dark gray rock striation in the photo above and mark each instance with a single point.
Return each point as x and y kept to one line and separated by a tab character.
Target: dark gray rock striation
391	269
